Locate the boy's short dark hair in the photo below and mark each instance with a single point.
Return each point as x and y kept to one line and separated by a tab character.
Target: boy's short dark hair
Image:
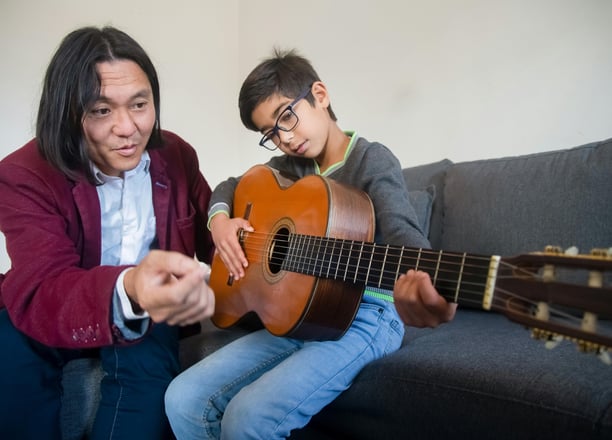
71	86
285	73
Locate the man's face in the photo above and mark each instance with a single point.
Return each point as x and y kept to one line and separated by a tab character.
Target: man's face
118	126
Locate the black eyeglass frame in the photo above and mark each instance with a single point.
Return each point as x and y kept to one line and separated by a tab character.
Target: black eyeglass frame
273	132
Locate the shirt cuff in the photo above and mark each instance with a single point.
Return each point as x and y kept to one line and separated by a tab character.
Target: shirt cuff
217	208
124	301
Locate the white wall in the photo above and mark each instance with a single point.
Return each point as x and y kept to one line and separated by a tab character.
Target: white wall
430	79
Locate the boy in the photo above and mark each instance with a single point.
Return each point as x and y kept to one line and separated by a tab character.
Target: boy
264	386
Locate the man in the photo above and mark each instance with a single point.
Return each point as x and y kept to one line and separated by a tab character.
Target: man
103	213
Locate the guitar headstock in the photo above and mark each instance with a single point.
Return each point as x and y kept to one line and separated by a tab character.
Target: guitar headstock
560	295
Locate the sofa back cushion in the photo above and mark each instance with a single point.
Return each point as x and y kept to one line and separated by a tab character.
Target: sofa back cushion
520	204
428	181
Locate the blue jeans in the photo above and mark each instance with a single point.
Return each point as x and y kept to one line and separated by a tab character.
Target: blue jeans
262	386
136	377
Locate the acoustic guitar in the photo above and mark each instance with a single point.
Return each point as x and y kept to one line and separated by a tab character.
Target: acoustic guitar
311	256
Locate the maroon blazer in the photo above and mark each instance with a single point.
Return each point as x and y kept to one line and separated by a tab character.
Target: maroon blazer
56	291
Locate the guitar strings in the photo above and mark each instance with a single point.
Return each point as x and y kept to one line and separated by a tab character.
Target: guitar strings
256	246
426	260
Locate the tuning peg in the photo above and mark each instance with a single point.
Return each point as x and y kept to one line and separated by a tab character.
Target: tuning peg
601	252
589	347
551	340
552	343
551	249
604	356
589	319
572	251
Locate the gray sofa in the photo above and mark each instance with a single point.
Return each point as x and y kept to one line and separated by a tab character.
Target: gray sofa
481	376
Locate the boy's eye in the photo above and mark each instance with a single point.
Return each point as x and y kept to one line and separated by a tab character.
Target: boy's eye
286	116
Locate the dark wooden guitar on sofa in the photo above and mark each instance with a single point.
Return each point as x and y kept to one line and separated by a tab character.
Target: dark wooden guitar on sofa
311	256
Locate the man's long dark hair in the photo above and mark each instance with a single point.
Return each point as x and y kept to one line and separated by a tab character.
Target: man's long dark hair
72	85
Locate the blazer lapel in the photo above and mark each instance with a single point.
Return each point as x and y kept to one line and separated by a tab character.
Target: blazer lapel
88	205
161	188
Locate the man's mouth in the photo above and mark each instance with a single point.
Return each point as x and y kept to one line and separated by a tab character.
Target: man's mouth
126	150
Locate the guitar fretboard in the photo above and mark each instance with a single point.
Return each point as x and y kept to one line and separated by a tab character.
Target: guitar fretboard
374	265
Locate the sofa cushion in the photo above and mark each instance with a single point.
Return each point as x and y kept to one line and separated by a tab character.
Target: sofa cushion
479	376
520	204
430	176
422	202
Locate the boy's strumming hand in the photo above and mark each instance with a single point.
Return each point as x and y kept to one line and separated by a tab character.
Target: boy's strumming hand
225	236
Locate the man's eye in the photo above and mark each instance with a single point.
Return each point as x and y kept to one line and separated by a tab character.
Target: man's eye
100	111
140	105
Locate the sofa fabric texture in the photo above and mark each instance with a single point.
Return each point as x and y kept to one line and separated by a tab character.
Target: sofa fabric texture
480	376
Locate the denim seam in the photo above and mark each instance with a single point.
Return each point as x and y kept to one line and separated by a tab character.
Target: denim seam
120	393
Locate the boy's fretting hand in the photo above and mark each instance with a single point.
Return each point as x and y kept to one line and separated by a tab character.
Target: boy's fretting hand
418	303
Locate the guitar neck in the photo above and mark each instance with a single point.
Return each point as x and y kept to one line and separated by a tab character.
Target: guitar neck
459	277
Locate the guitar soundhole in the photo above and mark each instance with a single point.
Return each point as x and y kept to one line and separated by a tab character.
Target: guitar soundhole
278	250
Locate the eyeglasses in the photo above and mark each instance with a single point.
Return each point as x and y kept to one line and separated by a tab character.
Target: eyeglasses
286	122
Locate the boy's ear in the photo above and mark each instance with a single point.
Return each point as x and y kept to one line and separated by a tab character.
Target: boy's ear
319	92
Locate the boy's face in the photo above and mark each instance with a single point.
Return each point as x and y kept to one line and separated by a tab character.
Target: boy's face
118	126
308	138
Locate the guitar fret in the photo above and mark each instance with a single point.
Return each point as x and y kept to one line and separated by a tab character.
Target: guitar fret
300	251
314	254
287	260
300	256
416	266
324	241
303	255
399	264
308	255
437	267
367	277
348	259
339	260
358	263
382	269
331	259
459	277
325	254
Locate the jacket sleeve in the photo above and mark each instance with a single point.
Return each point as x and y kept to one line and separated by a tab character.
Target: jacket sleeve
50	292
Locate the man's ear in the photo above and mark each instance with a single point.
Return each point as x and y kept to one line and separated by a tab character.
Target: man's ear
319	92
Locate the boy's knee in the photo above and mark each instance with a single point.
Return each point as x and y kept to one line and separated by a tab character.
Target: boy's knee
175	400
244	420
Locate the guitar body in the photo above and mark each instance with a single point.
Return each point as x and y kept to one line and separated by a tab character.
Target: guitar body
288	303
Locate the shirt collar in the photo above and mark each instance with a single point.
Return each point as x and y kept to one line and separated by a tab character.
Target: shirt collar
142	167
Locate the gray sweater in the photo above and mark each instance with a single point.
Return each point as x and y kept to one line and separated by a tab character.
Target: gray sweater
369	166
